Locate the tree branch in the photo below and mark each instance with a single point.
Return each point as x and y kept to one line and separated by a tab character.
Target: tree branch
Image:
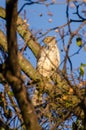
25	33
12	69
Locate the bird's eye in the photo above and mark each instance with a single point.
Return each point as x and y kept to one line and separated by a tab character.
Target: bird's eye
46	40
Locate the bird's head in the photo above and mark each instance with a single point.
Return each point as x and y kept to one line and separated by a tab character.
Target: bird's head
50	40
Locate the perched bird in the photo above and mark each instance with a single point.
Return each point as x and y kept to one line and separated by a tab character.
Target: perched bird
48	62
49	58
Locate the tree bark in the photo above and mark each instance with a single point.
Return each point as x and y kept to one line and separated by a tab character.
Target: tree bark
12	71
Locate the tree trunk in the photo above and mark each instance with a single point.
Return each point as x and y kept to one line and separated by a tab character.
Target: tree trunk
12	71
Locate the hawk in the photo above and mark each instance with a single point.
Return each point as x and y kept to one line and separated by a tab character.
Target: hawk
48	62
49	58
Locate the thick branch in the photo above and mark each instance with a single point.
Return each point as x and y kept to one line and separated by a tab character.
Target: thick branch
11	19
24	32
12	70
24	63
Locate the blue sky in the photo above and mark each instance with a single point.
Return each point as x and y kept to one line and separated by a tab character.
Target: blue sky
38	18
